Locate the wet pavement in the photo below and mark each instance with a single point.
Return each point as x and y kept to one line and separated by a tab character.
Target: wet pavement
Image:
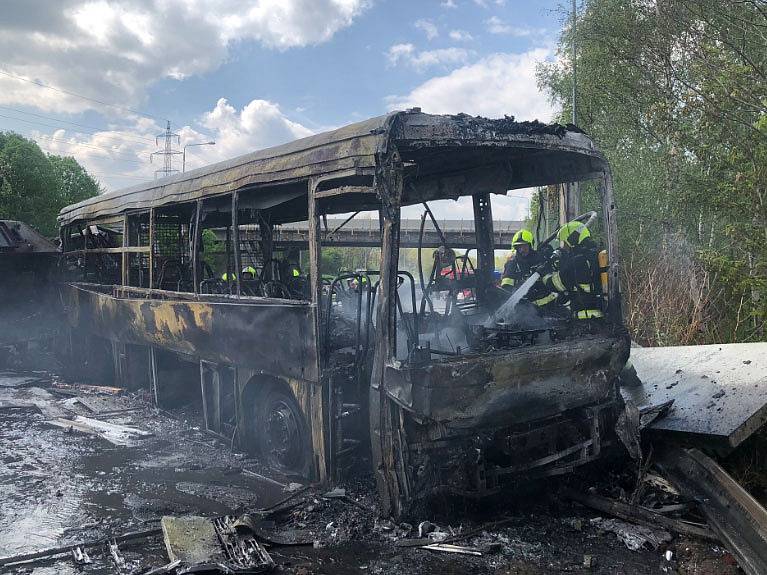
61	486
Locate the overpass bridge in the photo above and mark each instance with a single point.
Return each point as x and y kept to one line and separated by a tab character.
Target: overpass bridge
366	233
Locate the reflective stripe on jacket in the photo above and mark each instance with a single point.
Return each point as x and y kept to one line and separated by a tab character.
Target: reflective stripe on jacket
578	277
517	269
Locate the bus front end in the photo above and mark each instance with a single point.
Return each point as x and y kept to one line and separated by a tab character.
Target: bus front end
473	387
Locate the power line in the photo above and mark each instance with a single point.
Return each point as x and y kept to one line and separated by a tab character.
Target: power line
120	175
102	174
34	122
116	106
205	161
120	156
114	156
98	129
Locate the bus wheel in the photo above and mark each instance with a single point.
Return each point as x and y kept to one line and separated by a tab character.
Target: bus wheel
281	432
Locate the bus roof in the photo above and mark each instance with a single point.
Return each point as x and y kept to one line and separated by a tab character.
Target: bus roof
447	150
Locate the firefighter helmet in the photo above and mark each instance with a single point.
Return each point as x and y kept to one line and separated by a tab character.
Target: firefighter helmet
573	233
523	236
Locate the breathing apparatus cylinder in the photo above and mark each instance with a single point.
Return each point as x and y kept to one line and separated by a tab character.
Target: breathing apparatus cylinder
604	265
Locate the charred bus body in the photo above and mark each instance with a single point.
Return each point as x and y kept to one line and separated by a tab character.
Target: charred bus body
319	374
27	266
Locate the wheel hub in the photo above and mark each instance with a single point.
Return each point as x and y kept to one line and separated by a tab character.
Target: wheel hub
283	435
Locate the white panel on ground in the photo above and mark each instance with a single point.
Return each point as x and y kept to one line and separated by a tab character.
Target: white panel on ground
719	391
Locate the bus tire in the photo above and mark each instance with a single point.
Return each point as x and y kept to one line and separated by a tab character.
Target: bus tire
280	433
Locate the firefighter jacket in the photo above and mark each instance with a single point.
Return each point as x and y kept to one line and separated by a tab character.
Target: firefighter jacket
578	278
517	269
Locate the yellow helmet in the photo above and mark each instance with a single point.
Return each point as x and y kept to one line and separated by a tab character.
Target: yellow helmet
249	270
573	233
523	236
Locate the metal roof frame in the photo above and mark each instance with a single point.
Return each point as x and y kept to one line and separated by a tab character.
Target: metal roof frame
516	154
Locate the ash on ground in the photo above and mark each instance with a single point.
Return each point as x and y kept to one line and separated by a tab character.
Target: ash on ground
66	484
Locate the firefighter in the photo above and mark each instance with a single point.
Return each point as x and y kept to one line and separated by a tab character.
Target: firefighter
521	265
521	262
292	276
228	277
577	276
248	273
290	269
355	284
249	285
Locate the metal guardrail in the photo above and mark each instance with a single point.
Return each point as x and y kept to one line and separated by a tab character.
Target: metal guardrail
734	515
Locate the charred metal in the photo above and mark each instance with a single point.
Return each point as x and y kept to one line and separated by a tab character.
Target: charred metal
27	270
324	374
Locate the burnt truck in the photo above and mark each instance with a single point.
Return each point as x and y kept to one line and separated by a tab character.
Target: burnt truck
28	306
180	284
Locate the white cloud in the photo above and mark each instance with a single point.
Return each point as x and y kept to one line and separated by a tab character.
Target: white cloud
399	52
260	124
440	57
460	36
487	3
497	85
284	23
113	51
117	158
497	26
420	60
120	157
427	27
448	4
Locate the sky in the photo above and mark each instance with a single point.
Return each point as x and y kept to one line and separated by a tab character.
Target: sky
99	79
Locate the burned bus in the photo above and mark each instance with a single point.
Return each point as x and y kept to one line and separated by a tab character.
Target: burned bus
406	373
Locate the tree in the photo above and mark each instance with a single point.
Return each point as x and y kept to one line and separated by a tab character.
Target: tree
75	184
35	186
673	92
348	259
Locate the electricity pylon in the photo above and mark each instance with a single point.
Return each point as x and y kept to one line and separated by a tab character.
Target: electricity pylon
168	152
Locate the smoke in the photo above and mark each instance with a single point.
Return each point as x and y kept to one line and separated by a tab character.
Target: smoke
450	338
506	313
525	316
451	334
27	304
342	324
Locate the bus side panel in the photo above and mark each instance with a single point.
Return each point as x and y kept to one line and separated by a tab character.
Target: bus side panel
271	338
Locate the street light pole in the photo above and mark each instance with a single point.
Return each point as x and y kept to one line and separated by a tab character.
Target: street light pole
575	69
183	156
572	194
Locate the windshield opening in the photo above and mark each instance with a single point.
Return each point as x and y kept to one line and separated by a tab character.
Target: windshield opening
533	286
